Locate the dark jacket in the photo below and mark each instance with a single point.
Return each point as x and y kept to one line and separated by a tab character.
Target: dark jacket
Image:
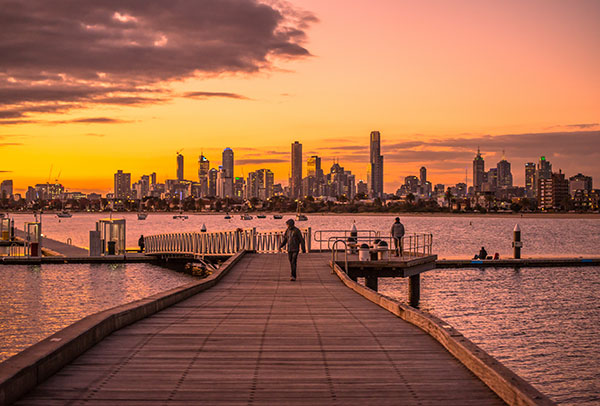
294	240
397	230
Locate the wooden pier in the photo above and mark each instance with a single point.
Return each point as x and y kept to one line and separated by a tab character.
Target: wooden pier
257	338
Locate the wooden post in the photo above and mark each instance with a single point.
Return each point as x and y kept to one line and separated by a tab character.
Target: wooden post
414	290
517	244
371	282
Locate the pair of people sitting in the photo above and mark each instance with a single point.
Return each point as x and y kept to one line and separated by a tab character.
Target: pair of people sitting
484	255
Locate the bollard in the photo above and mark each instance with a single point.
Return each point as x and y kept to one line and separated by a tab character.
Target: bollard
517	244
203	229
353	239
371	282
363	252
414	290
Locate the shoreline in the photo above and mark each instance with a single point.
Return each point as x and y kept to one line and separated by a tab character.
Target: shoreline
364	214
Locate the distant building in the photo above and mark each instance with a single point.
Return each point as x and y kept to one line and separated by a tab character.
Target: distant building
122	185
544	171
478	171
296	179
203	168
239	186
586	200
376	165
504	174
530	179
213	174
580	182
553	192
412	184
179	167
6	189
362	188
227	174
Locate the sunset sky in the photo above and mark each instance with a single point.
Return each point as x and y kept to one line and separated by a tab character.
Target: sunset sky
89	87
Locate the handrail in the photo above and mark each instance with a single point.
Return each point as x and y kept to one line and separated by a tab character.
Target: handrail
334	254
413	245
345	234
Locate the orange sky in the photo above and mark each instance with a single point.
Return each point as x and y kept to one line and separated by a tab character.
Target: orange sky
437	79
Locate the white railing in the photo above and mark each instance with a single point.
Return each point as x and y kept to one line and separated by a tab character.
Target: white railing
329	236
217	243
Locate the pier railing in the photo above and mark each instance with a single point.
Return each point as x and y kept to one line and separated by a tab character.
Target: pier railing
217	243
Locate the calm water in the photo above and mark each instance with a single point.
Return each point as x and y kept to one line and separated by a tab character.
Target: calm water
541	323
37	301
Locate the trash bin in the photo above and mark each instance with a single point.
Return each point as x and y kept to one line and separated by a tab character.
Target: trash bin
363	252
111	247
382	248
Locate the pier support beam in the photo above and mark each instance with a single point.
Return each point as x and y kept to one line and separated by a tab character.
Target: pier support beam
414	290
371	282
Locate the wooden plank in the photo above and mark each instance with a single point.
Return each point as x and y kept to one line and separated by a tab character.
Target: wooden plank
258	338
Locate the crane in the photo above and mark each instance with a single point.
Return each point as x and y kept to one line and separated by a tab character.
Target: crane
178	152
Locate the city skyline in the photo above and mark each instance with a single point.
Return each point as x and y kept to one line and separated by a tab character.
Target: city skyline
445	80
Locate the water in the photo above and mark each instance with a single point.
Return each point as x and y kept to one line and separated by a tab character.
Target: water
454	236
37	301
541	323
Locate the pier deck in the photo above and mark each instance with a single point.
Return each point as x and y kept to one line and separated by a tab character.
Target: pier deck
58	247
258	338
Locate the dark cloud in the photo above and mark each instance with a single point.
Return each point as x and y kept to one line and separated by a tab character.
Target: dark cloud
5	171
583	126
124	52
91	120
250	161
206	95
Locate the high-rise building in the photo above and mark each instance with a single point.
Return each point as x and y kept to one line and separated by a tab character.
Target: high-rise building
227	175
423	173
180	176
238	187
203	168
122	185
553	192
544	171
296	179
213	174
478	171
580	182
362	188
505	178
411	183
530	179
6	189
313	167
376	165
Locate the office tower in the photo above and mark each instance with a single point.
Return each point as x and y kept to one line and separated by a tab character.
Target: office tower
362	188
423	173
266	187
412	183
504	174
153	178
251	186
238	187
530	179
296	179
143	187
313	167
122	185
203	168
478	171
6	189
544	171
227	175
179	167
212	182
376	166
580	182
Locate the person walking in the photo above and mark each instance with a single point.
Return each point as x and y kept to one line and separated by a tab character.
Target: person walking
397	234
294	240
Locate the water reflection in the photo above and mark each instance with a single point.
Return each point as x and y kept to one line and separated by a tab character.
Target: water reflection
36	301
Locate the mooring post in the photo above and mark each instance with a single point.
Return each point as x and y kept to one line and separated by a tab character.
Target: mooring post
414	290
371	282
517	244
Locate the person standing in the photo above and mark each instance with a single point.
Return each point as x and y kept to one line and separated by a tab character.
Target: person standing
397	234
294	240
141	243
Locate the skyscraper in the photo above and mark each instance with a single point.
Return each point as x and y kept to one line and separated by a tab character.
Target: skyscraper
505	178
313	167
227	173
212	182
544	171
423	173
530	179
6	189
122	185
376	166
179	167
203	168
296	179
478	171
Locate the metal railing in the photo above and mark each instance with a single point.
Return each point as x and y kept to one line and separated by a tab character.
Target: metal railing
327	236
217	243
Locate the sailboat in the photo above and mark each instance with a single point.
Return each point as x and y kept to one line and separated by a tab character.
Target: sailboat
299	215
63	213
180	215
141	215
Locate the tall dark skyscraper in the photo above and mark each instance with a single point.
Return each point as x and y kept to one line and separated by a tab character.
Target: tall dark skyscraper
227	173
203	168
478	170
375	166
296	179
179	167
543	172
423	173
122	185
505	178
530	179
